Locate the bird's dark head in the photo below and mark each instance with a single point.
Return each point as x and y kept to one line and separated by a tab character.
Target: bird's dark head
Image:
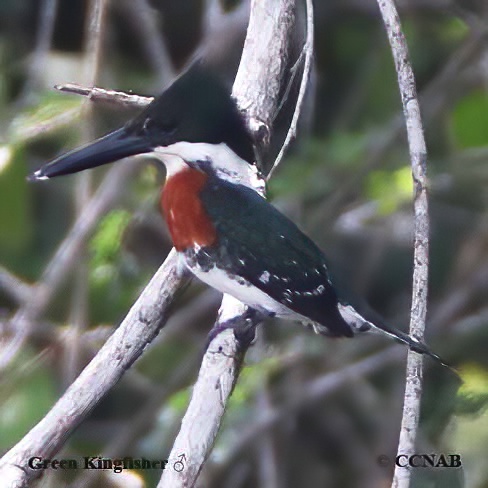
197	109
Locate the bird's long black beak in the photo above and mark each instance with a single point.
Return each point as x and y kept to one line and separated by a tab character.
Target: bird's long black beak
112	147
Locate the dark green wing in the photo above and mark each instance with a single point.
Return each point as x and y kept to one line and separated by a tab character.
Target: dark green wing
263	246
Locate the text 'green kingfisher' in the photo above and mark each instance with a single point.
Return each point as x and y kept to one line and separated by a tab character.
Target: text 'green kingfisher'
227	234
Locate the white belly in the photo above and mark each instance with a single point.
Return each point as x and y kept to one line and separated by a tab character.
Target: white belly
244	291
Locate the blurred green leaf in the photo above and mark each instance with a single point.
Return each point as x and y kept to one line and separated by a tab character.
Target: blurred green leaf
179	400
15	218
470	120
453	29
250	380
51	106
105	244
114	277
342	149
390	188
473	394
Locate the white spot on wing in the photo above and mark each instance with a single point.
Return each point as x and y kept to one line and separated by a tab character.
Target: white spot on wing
264	278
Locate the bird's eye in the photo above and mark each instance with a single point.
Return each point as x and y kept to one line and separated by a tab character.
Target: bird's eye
154	125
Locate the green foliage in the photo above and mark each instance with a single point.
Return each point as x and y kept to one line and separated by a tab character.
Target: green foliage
113	281
473	394
453	29
470	434
390	188
250	380
179	400
50	105
470	120
105	247
15	216
344	149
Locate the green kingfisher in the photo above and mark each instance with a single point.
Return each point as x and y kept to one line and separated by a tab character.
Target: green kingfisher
225	232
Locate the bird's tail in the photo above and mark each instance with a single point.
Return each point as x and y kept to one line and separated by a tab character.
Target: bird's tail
358	323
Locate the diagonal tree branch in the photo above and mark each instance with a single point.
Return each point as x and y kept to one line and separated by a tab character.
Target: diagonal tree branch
142	324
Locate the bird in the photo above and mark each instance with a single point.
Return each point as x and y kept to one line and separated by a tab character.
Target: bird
224	231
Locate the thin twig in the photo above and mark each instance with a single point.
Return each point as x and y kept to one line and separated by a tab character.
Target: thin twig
307	68
418	156
117	98
93	43
293	73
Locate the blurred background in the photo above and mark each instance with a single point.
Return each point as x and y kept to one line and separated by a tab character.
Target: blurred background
75	252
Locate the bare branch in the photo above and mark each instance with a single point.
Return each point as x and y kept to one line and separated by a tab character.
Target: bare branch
307	68
418	156
263	63
116	98
124	440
